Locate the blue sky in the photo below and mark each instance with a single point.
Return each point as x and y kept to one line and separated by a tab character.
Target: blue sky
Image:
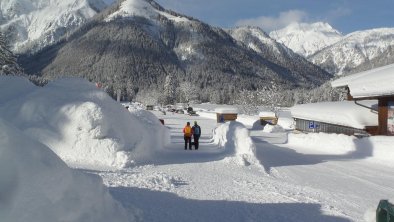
344	15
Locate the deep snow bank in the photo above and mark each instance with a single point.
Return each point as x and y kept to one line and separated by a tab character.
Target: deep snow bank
323	142
159	135
378	149
79	122
234	138
37	186
382	149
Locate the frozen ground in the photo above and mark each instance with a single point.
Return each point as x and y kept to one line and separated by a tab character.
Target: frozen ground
301	178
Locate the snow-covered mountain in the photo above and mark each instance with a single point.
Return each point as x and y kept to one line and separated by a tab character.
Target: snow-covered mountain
260	42
136	44
257	40
307	39
354	50
34	24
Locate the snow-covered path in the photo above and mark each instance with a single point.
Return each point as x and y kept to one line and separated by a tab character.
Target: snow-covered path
184	185
355	184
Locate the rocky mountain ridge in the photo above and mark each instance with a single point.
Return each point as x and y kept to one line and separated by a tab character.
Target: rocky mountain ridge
336	53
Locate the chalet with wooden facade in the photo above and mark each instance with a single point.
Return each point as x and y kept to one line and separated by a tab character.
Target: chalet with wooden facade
377	84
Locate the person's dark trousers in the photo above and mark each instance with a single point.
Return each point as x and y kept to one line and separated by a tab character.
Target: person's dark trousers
188	140
196	138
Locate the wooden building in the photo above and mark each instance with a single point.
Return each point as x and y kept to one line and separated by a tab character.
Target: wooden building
226	114
268	117
343	117
375	84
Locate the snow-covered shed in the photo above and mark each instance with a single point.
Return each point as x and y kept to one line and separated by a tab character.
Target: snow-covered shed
344	117
373	84
226	114
268	117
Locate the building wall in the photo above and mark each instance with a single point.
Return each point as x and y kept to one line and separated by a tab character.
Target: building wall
386	115
316	126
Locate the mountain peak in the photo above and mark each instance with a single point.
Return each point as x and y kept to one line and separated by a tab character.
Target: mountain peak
131	8
306	39
145	8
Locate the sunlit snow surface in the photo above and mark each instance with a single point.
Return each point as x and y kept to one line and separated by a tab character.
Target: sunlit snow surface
241	172
371	83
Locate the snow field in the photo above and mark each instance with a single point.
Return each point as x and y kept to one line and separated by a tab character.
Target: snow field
312	177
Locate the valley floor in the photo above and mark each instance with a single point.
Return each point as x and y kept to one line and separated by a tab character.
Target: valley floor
291	184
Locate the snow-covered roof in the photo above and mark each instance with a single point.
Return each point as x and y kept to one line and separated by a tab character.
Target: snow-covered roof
344	113
267	114
226	110
371	83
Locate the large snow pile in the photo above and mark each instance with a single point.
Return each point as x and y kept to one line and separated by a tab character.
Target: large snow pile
157	135
37	186
79	122
238	145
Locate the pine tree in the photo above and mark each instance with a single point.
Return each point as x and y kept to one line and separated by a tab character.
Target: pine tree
8	63
169	90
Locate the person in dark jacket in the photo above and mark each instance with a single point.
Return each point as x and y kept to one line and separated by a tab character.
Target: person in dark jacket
196	129
187	135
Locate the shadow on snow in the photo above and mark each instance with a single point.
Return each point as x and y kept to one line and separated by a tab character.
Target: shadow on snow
164	206
272	155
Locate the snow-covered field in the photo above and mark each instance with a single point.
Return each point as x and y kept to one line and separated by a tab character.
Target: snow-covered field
241	172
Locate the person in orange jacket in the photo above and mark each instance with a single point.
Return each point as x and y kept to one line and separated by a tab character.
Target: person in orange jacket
187	135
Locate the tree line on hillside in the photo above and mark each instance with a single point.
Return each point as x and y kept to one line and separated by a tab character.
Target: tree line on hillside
189	87
8	61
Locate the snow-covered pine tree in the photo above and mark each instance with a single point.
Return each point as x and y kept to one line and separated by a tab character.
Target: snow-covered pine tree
169	90
8	63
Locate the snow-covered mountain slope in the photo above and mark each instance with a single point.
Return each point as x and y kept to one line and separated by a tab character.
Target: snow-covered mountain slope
141	43
354	49
33	24
306	39
257	40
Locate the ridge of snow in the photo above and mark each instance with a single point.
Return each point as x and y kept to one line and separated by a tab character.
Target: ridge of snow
307	39
234	138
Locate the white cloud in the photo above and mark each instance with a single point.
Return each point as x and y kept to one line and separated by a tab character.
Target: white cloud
273	23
